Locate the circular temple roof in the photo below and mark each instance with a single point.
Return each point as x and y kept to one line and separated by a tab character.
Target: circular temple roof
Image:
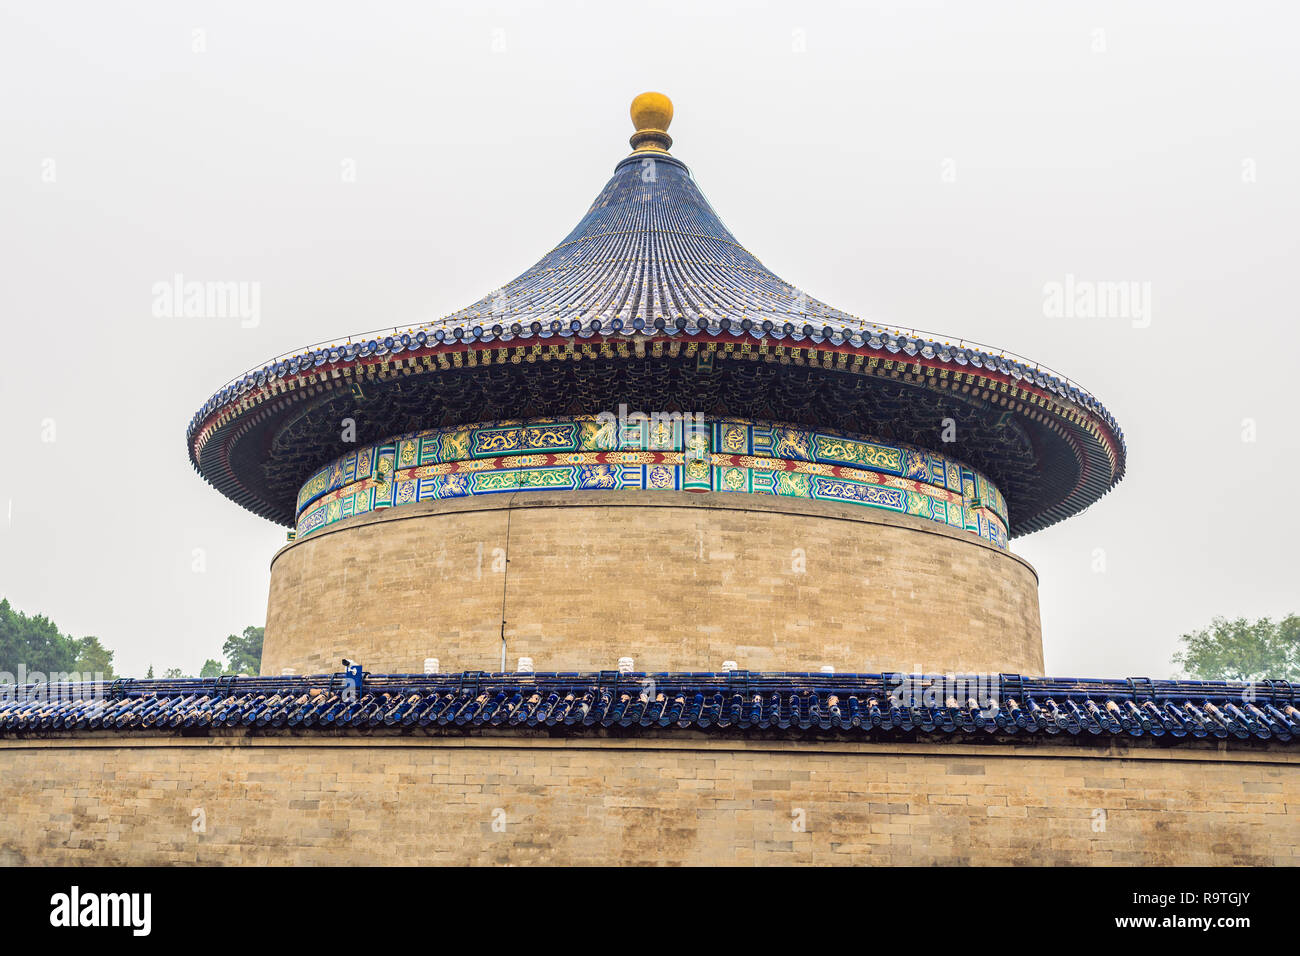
651	302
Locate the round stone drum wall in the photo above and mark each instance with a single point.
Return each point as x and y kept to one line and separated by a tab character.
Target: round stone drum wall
676	581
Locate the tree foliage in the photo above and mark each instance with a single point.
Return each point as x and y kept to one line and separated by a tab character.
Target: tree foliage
35	643
244	651
93	657
1242	650
212	668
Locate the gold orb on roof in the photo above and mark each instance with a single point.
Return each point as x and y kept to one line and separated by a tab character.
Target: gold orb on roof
651	114
652	111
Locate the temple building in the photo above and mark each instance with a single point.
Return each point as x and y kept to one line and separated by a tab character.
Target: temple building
650	556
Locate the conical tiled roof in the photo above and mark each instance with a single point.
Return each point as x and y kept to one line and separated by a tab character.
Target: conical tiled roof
650	247
646	300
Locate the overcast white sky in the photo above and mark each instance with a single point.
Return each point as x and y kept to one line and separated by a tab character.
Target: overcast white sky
929	165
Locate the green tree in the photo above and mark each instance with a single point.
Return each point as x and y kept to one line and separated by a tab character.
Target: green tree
148	675
93	657
212	669
173	673
1241	650
34	642
244	652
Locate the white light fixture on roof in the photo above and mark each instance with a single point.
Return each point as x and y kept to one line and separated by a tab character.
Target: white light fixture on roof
625	665
828	669
431	665
729	666
525	666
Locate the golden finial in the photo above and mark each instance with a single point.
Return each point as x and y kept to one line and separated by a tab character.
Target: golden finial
651	114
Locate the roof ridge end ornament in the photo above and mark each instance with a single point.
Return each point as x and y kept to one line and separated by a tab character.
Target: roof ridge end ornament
651	115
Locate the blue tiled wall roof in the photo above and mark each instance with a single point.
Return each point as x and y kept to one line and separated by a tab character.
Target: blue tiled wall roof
735	703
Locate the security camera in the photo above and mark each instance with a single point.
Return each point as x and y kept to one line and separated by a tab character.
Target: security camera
348	663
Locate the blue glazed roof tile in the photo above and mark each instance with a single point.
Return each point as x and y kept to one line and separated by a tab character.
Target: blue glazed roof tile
648	249
727	703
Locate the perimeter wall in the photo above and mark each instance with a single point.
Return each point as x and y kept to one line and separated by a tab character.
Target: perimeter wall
668	799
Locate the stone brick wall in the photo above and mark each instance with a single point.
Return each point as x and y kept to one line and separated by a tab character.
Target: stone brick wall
668	799
676	581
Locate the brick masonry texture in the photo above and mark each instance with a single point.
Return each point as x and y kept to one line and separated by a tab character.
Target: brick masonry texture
666	800
677	581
